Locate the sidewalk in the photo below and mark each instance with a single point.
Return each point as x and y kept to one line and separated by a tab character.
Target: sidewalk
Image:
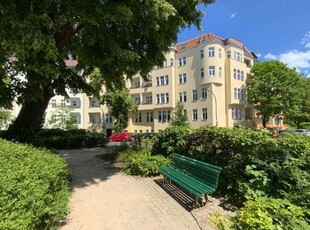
105	198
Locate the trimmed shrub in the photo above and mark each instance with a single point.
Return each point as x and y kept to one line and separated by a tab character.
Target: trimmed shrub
142	162
34	188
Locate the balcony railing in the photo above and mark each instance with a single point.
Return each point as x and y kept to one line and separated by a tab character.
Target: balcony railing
146	84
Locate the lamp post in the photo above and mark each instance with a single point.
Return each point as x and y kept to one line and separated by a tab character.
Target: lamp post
216	121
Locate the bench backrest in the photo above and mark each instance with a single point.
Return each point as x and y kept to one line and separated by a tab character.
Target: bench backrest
202	171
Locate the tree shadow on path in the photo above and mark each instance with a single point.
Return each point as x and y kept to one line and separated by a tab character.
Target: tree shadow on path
87	168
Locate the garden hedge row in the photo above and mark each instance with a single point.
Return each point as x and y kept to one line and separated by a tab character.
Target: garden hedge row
34	187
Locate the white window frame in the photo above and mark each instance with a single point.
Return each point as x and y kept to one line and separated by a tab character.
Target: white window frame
212	71
182	78
195	115
195	94
204	114
204	93
211	51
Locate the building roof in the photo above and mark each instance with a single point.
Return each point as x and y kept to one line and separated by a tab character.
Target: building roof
207	38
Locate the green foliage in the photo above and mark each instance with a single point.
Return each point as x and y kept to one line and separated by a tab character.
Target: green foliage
270	214
252	162
120	102
120	38
62	119
5	118
64	139
34	189
274	89
142	162
172	138
179	118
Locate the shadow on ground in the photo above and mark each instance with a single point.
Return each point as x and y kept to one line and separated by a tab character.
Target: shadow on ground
88	167
183	198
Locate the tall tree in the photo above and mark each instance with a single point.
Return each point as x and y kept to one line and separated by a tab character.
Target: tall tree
121	38
120	102
274	89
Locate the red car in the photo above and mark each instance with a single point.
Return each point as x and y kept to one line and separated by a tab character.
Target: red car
120	137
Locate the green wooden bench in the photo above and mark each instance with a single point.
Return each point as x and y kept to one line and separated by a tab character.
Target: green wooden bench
197	177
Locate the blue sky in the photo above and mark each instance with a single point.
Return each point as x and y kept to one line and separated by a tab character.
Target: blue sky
273	29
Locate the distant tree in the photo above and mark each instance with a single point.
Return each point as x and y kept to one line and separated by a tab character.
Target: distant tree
62	119
119	102
274	89
179	117
121	38
303	114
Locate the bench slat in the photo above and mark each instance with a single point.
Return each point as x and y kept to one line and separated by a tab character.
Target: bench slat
197	177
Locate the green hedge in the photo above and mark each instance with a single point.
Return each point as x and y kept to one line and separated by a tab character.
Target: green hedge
285	160
34	189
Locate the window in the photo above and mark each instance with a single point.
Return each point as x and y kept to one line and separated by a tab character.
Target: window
148	99
162	98
182	61
195	115
202	72
220	71
211	52
94	118
212	71
164	116
202	55
220	53
182	78
182	96
75	103
236	113
195	95
149	117
237	56
138	117
62	103
239	94
171	62
165	63
93	102
135	84
238	74
54	118
204	93
137	100
228	54
108	118
204	114
162	80
54	103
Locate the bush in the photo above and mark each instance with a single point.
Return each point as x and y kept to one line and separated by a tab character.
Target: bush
142	162
34	189
269	213
171	139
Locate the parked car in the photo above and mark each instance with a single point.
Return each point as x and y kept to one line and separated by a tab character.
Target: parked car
120	137
305	132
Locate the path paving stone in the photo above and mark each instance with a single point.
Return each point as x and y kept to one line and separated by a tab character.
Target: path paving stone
103	198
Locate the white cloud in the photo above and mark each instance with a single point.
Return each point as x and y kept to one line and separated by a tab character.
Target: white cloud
306	40
270	56
258	55
233	15
295	58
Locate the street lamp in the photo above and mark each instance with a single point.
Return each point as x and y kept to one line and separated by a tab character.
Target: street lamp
216	121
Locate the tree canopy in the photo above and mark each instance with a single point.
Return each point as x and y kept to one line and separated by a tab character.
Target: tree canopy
179	117
121	38
275	90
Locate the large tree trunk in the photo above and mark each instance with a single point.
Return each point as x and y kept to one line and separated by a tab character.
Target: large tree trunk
265	120
30	117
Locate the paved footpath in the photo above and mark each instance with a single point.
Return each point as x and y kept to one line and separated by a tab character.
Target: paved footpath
103	198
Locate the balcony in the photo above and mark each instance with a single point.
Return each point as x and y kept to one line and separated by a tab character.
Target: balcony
146	84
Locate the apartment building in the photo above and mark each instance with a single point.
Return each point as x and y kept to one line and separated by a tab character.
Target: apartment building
207	74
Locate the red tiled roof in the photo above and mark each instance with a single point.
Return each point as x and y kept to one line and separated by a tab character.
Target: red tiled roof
208	37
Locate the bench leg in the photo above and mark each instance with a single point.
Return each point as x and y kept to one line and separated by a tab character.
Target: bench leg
195	205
